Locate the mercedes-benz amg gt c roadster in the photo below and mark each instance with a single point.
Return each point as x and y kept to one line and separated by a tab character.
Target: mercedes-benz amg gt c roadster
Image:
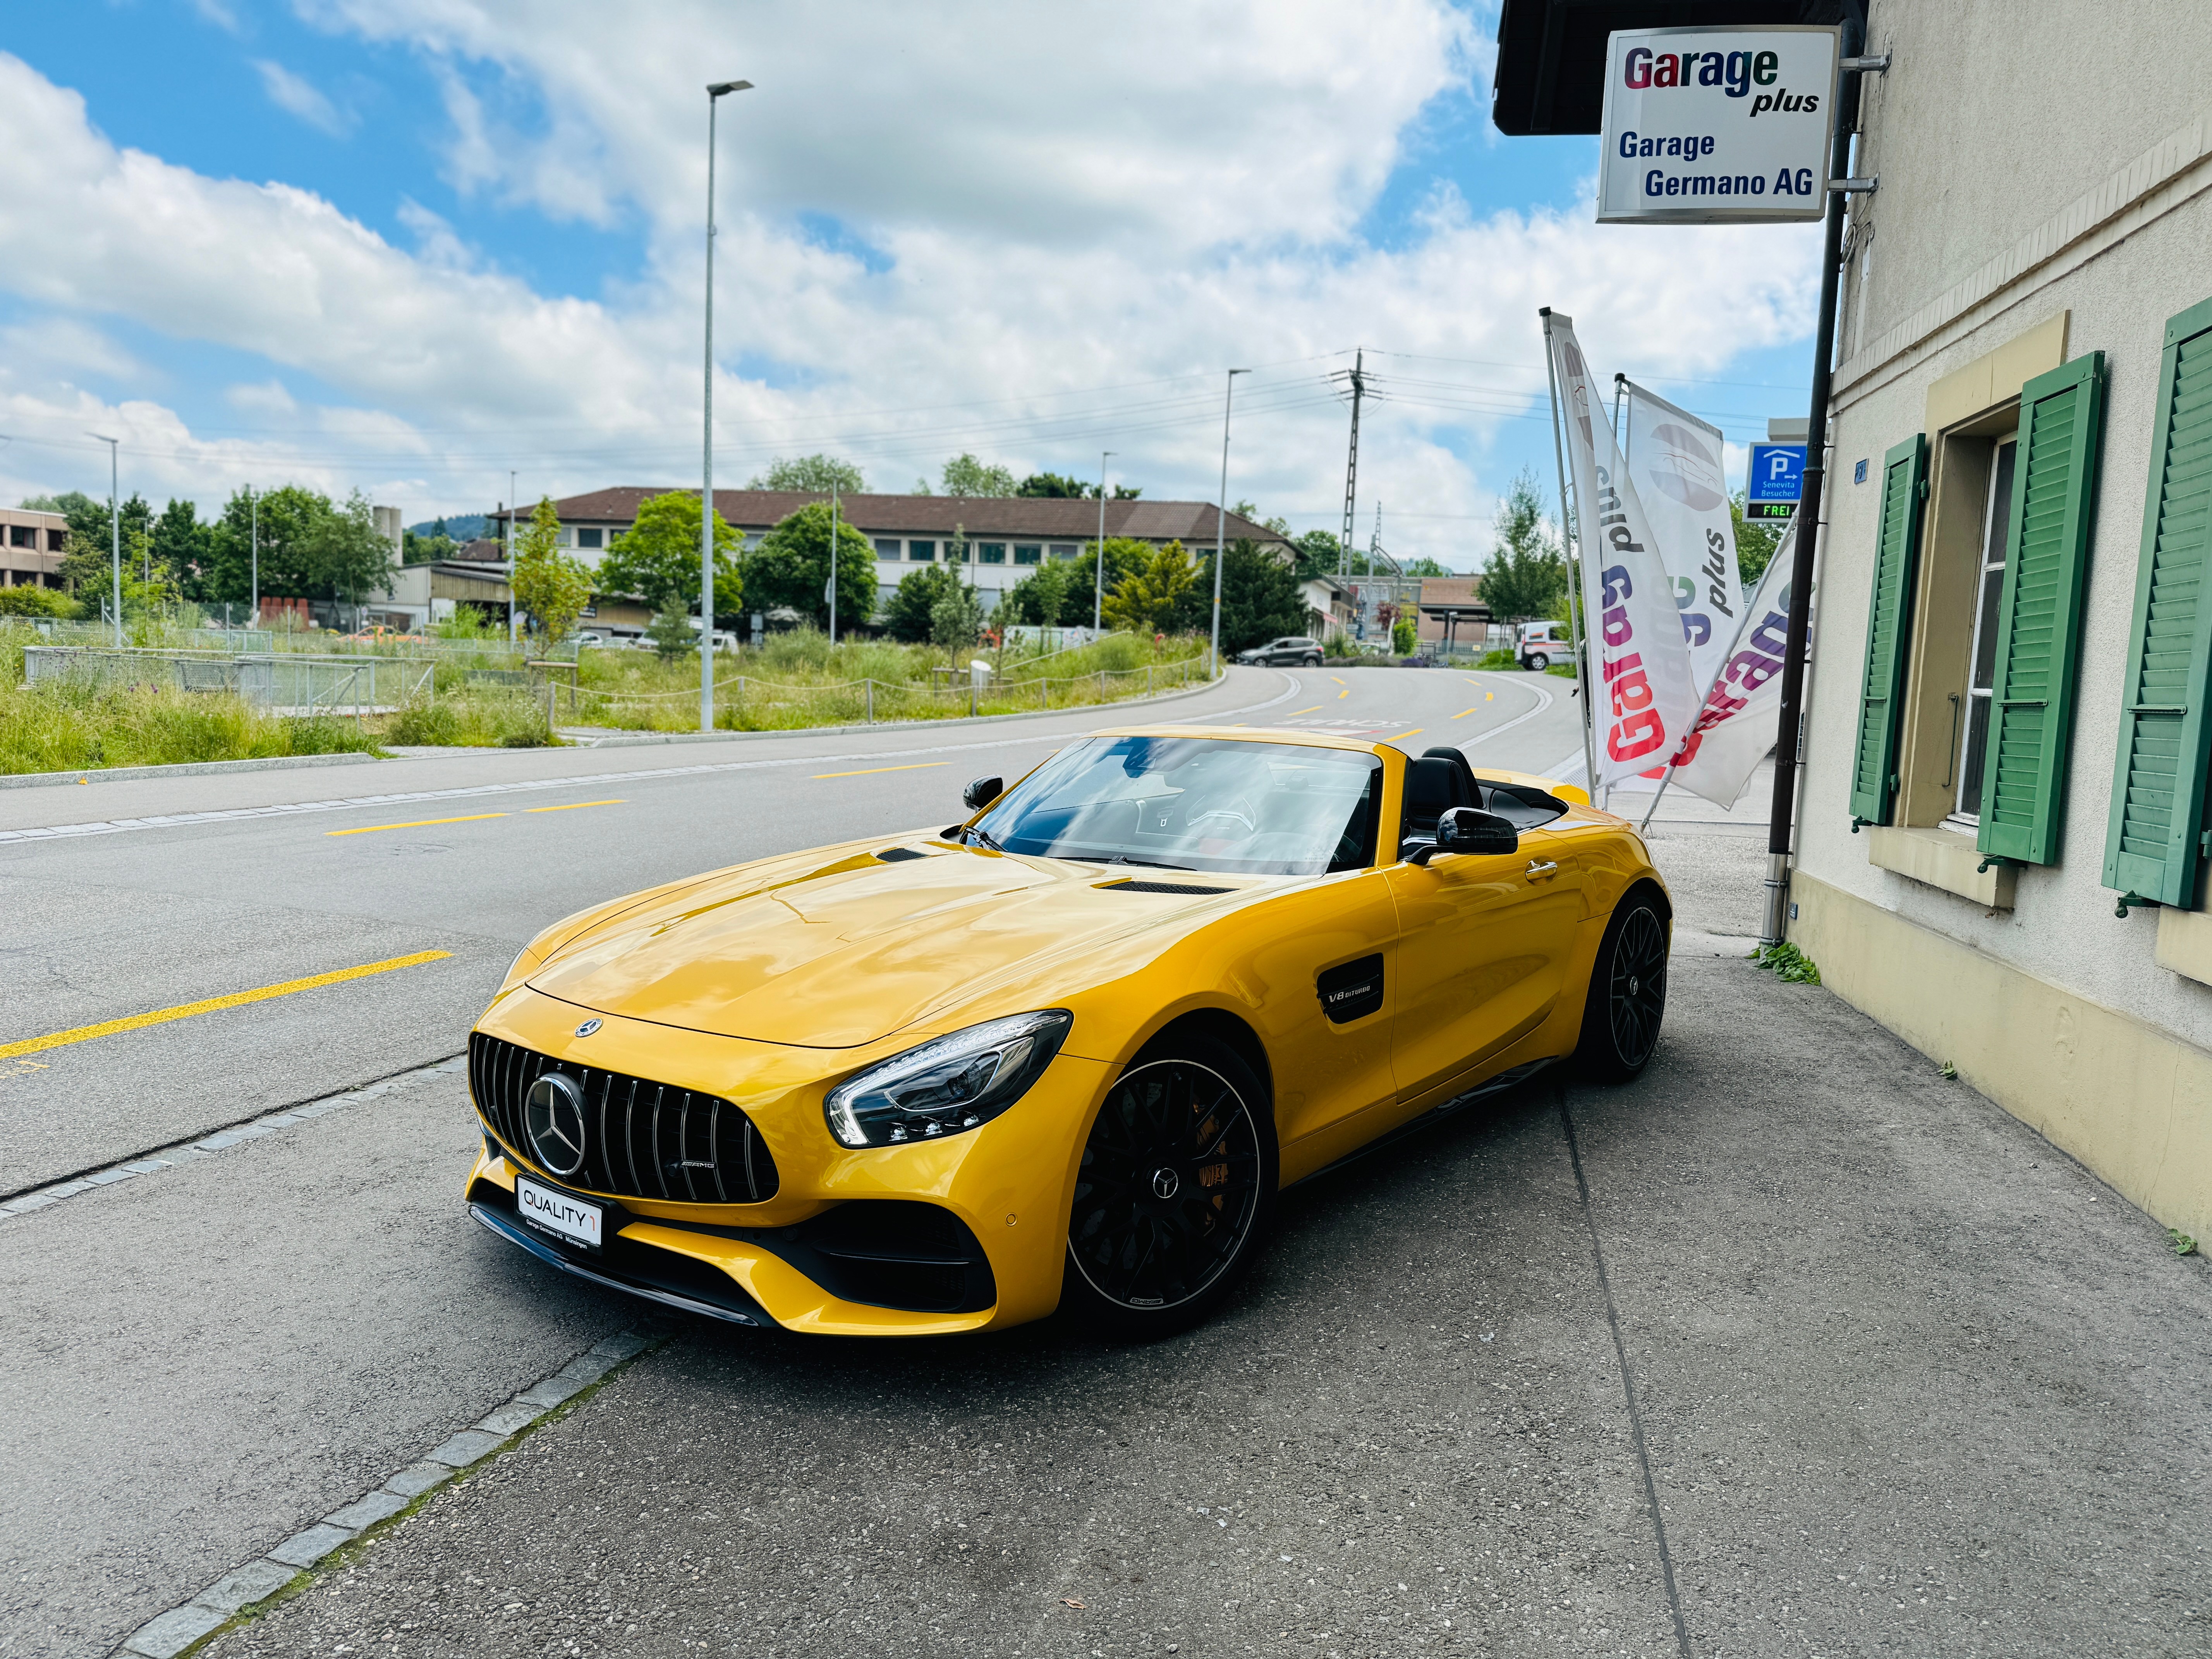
1064	1053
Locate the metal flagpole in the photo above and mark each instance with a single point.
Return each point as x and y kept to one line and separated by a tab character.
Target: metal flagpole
1574	579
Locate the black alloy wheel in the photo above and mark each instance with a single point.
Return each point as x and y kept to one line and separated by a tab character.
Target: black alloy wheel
1176	1182
1627	997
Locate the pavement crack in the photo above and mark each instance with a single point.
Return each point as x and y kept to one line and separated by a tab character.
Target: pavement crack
1627	1378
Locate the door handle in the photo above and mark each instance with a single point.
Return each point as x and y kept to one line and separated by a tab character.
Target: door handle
1536	869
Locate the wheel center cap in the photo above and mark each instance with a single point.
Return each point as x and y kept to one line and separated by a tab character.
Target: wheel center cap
1634	985
1165	1182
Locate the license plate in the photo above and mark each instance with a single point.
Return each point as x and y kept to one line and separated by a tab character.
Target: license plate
557	1213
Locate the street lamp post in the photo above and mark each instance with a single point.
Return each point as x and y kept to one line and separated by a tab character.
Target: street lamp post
833	562
510	560
115	523
714	95
1221	513
1098	582
253	556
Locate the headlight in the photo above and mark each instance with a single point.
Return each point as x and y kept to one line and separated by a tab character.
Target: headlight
524	960
948	1085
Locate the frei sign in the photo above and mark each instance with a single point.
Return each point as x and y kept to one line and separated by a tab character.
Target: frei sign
1712	126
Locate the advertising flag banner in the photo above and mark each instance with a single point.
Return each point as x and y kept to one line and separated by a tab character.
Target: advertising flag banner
1743	711
1642	695
1717	125
1676	461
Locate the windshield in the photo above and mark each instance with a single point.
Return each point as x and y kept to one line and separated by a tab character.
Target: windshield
1257	809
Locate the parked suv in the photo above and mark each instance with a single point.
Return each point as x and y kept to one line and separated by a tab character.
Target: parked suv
1292	649
1543	643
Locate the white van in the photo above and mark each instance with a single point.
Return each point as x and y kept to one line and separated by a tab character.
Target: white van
1543	643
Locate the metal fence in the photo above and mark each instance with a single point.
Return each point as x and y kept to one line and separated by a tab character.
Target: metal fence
282	681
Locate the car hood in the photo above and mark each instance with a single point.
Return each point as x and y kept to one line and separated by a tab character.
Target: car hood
834	951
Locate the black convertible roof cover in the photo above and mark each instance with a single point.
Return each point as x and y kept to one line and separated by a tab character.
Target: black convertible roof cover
1551	53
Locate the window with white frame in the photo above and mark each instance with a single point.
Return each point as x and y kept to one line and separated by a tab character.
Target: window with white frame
990	552
1029	553
922	552
590	536
1974	718
887	547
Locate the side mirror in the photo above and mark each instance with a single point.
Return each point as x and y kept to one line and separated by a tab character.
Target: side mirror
1471	829
981	793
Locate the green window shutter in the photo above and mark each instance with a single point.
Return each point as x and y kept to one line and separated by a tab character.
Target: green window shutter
2157	781
2038	637
1889	618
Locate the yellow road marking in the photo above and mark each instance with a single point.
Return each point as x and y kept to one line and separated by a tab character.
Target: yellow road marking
1490	696
576	806
919	766
413	824
1462	714
1295	712
1342	695
162	1015
1333	678
1403	736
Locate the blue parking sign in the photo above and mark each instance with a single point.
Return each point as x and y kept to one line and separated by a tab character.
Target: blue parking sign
1777	472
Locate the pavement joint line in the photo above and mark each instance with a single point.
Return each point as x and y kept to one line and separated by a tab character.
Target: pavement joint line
591	781
182	1153
1627	1378
239	1593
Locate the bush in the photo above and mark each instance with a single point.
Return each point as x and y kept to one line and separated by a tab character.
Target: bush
1403	639
1498	659
28	601
474	719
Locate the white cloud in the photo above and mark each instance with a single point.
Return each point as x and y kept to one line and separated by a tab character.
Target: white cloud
295	95
1082	215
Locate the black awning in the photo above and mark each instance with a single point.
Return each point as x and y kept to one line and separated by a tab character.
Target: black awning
1551	53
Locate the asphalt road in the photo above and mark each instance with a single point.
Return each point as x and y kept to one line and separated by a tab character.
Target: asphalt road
202	1358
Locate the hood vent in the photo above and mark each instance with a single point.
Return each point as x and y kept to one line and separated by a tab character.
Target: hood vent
1161	887
899	855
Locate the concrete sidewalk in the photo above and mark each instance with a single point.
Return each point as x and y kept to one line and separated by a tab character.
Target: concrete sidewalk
1902	1378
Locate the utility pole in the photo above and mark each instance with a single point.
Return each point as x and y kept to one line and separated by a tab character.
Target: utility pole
833	564
253	542
715	94
1359	378
115	522
1220	516
1098	581
510	558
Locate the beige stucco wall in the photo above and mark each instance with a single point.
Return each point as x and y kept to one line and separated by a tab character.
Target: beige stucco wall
2054	165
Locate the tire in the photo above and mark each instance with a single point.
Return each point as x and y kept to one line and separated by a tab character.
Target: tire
1182	1111
1312	659
1627	996
1537	663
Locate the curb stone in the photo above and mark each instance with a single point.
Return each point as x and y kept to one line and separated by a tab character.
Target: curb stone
236	1593
181	769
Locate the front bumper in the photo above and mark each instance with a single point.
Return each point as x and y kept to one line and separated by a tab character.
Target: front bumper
1007	1185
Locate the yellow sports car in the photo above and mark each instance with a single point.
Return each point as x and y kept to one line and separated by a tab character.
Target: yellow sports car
1065	1052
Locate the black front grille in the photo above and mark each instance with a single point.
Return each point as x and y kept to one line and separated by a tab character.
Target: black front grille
643	1139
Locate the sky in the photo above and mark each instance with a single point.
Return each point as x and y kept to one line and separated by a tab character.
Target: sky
445	251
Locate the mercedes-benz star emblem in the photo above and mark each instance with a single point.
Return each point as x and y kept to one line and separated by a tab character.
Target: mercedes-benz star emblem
553	1113
587	1028
1165	1182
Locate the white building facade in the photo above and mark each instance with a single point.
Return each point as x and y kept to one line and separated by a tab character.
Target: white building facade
2004	826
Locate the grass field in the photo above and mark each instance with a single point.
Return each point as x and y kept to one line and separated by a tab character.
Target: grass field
794	681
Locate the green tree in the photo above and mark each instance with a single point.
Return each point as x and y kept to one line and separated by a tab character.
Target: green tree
814	473
1424	568
965	474
1125	556
426	549
1403	637
1260	598
1039	599
1755	542
89	551
792	566
1317	552
550	585
346	557
1149	601
956	621
183	547
670	629
1527	575
1055	486
907	614
656	559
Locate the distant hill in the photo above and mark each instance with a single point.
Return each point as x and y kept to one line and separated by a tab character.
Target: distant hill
461	527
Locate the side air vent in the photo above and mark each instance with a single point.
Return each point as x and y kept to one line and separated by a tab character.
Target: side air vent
1161	887
899	855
